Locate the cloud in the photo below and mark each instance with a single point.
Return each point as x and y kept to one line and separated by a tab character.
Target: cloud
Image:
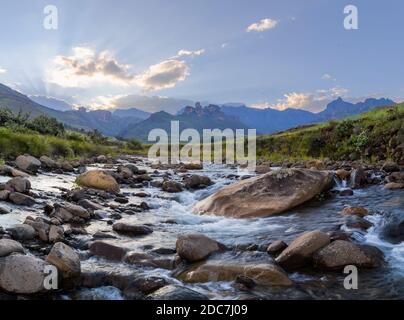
85	67
2	70
163	75
263	25
327	76
187	53
314	102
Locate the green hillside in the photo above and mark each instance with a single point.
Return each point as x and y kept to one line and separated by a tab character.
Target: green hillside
373	136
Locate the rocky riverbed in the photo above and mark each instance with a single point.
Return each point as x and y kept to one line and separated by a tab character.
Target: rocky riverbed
125	228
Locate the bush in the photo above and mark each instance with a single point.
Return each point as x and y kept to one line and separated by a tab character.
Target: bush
46	125
134	144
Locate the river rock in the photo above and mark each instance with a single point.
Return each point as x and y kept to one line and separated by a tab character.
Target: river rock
125	172
107	250
172	186
22	274
342	174
88	204
355	211
48	163
197	182
8	246
262	169
392	228
4	195
300	251
28	163
276	247
394	186
341	253
192	166
390	166
21	199
266	195
176	292
65	259
19	184
22	232
98	179
266	274
67	211
195	247
4	210
356	222
358	178
131	229
56	234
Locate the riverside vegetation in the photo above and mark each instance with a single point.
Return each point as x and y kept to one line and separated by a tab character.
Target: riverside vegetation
118	226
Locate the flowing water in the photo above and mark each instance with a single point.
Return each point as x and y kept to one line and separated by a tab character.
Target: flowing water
171	215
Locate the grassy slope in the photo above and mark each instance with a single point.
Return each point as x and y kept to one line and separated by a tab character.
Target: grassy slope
371	136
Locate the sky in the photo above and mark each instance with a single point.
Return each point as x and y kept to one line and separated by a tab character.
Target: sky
264	53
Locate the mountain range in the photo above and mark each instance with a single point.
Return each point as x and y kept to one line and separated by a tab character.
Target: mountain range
131	122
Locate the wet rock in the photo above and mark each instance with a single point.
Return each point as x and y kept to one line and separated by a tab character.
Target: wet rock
107	250
356	222
266	195
4	210
121	200
341	253
300	251
125	172
67	167
212	271
19	184
103	235
146	285
4	195
22	232
8	246
390	166
88	204
346	193
21	199
342	174
197	182
394	186
339	235
131	229
98	179
30	271
244	282
355	211
12	172
172	186
67	211
192	166
176	292
396	177
65	259
358	178
195	247
392	228
28	163
142	194
276	247
48	163
56	234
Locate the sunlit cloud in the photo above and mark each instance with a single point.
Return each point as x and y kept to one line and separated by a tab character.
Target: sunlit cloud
263	25
2	70
327	76
310	101
85	67
163	75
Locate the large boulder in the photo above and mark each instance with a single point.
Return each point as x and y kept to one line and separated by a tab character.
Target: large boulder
195	247
342	253
197	182
65	259
22	274
266	274
266	195
8	246
300	251
98	179
48	163
28	163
